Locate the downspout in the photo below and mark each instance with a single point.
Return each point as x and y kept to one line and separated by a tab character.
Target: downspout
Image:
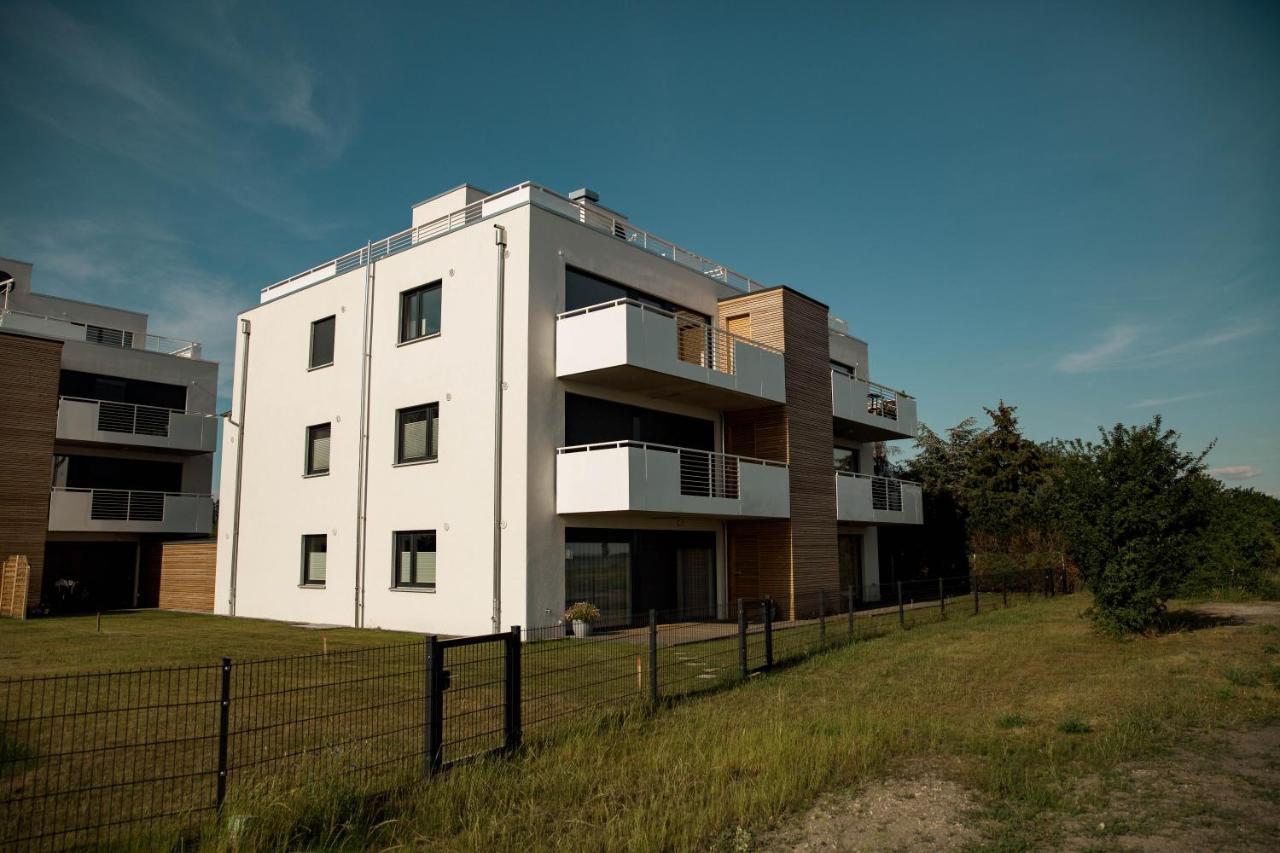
362	455
500	239
235	514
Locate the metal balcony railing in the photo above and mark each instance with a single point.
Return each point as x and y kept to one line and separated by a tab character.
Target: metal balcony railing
703	473
129	417
590	216
882	400
105	335
697	342
126	504
886	492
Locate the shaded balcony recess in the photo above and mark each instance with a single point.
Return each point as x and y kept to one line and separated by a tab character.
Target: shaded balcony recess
129	511
869	411
109	422
659	479
73	330
629	345
877	500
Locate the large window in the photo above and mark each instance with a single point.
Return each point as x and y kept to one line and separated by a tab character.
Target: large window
322	342
417	433
415	560
420	312
582	290
318	449
315	553
588	420
846	460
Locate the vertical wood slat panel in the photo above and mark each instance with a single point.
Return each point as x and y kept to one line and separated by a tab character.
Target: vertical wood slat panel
187	575
28	423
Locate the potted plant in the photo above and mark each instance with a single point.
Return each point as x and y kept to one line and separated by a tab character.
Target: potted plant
582	614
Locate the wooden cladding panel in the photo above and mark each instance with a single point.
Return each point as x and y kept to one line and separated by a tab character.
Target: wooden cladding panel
28	422
187	575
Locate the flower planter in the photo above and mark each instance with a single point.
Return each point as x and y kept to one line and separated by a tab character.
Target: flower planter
581	628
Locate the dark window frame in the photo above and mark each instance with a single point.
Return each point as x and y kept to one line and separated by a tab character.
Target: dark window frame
305	579
309	469
413	535
406	296
432	437
333	334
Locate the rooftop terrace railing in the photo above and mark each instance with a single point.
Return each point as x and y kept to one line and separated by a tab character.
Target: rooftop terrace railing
592	217
95	334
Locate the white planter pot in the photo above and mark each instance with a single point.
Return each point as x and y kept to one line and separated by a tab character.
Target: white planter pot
581	628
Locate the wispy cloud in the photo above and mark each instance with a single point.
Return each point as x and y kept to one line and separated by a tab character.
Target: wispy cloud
1126	346
209	129
1152	402
1236	472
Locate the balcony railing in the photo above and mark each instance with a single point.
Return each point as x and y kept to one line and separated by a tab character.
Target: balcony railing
697	342
636	475
74	330
541	196
84	419
129	510
864	497
129	417
888	412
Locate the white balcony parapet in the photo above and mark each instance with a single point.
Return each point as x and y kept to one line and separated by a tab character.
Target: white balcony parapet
628	333
73	330
526	192
129	511
877	500
105	421
887	412
633	476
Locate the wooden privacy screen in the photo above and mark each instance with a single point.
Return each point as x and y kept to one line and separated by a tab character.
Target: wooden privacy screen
15	580
187	574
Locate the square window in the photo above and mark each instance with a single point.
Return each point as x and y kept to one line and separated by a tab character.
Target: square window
415	560
417	431
322	342
315	551
318	449
420	312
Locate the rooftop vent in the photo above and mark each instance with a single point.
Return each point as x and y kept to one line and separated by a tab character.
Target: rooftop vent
584	193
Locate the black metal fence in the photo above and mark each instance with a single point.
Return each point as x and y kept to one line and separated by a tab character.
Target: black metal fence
118	758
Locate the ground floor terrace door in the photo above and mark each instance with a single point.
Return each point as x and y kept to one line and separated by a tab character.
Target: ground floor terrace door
849	553
695	581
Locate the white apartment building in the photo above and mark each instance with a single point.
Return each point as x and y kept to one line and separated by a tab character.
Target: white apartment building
109	439
524	400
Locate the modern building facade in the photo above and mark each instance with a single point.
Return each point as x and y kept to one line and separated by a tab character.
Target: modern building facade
524	400
109	439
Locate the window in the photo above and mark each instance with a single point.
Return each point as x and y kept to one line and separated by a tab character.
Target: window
322	342
318	449
315	552
417	431
415	560
846	460
420	312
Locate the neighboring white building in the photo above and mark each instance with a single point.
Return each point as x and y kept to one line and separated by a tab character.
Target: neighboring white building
110	433
668	430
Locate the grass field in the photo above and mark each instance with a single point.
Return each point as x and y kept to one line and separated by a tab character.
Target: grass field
1017	706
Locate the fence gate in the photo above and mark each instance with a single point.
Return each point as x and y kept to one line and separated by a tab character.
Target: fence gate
473	697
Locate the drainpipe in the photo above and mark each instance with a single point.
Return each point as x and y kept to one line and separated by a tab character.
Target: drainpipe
362	460
235	515
500	239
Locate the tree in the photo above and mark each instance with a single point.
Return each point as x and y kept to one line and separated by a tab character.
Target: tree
1238	552
1131	508
1001	489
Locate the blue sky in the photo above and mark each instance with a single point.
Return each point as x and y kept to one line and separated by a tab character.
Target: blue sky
1073	206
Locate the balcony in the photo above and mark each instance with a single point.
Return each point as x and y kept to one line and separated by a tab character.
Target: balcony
71	330
877	500
105	422
869	411
630	476
630	346
122	511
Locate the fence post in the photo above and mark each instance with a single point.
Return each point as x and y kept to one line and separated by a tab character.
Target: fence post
902	614
973	587
224	720
742	640
653	657
433	711
822	618
511	719
851	626
768	633
1004	589
942	599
